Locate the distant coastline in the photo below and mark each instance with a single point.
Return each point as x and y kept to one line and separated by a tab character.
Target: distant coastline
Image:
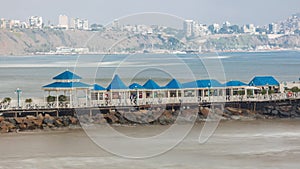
165	52
65	42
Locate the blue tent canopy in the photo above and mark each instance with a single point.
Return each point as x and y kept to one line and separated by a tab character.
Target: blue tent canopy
235	83
67	75
116	84
150	84
67	85
136	86
173	84
264	81
203	84
98	87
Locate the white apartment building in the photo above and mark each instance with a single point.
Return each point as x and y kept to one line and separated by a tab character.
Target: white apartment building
63	22
36	22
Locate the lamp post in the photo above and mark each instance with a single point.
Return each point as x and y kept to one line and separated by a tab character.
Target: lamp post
137	95
208	93
18	92
267	89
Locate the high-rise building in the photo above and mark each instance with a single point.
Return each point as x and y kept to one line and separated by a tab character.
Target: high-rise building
188	27
79	24
273	28
200	30
63	22
85	24
226	24
249	28
2	23
214	28
36	22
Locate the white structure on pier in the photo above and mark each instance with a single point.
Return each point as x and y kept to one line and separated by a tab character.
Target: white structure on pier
67	88
117	93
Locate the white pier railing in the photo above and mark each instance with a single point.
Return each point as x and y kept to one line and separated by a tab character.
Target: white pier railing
41	104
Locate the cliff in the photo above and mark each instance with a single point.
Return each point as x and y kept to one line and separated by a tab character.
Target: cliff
29	41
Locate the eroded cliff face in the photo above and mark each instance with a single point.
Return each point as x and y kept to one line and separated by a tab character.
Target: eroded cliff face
29	41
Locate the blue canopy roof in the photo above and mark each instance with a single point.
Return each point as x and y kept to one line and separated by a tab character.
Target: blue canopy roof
203	84
67	75
150	84
116	84
173	84
66	85
98	87
235	83
136	86
264	81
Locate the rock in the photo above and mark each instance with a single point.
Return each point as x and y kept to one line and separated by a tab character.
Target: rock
4	129
30	123
19	120
48	119
73	120
13	121
121	118
111	118
50	125
283	114
66	121
234	110
227	112
275	112
167	114
162	120
38	122
7	126
204	112
40	116
31	117
235	117
57	123
47	116
2	118
22	126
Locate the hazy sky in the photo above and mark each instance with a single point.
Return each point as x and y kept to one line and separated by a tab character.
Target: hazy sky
204	11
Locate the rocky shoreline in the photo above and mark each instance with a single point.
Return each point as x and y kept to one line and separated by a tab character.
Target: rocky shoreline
157	116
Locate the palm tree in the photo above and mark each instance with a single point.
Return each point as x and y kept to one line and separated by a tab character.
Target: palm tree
28	101
62	98
51	99
6	100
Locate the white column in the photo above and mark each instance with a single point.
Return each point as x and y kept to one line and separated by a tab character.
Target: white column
71	103
137	97
111	97
86	97
56	99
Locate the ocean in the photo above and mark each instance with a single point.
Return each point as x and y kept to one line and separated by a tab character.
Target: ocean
30	73
262	144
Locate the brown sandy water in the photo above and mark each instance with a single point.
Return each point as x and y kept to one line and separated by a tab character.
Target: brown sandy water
236	144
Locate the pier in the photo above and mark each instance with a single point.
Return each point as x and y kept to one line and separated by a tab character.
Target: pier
68	92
